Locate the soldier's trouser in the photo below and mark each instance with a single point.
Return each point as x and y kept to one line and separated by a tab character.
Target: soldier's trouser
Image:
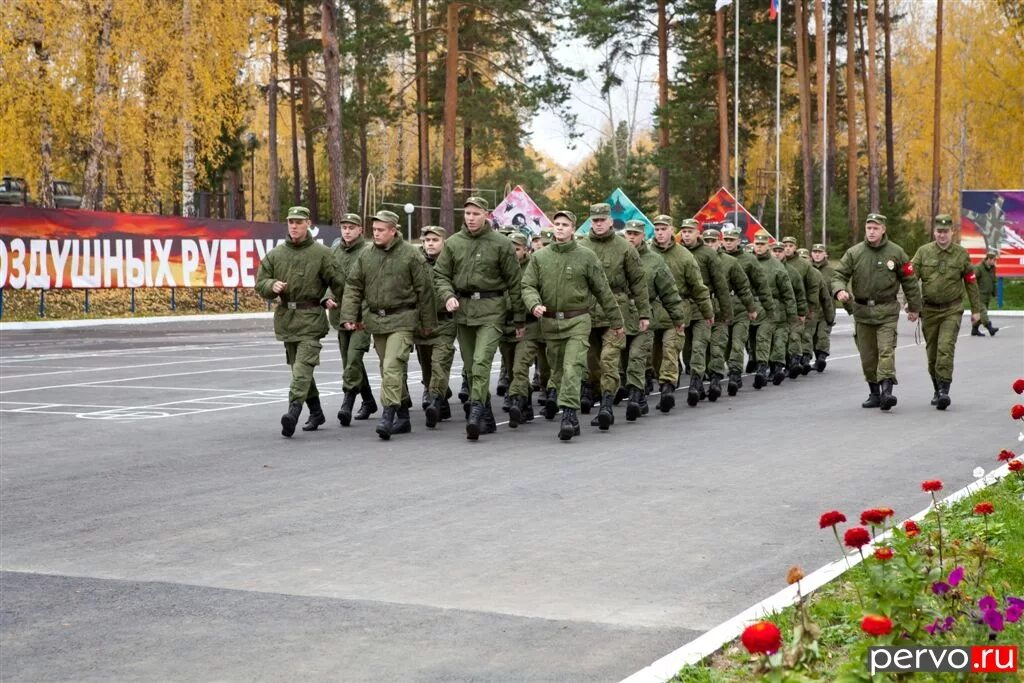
393	349
940	332
507	350
352	346
877	346
436	363
568	361
527	351
665	354
718	350
821	337
780	342
604	359
796	337
739	331
984	312
477	344
763	335
695	346
302	356
638	352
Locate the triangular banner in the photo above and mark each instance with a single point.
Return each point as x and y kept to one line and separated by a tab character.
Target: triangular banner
722	208
518	210
623	209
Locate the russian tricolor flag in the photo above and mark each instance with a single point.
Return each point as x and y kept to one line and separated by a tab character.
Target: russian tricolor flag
773	9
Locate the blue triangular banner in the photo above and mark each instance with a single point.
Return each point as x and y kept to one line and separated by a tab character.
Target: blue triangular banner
623	209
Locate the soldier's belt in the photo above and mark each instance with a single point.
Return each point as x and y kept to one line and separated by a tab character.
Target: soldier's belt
464	294
566	315
300	305
929	304
443	314
874	302
385	312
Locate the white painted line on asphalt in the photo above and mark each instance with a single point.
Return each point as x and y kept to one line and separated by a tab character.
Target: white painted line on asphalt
101	382
714	640
142	365
100	322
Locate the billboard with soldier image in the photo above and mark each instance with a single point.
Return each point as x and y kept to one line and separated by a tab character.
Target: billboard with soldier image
994	219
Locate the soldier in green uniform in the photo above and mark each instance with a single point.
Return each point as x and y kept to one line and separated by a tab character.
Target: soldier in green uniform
436	351
698	339
773	333
389	291
509	341
479	278
700	315
800	348
352	344
743	325
985	272
945	272
299	273
871	273
741	307
531	348
821	339
626	278
790	342
562	284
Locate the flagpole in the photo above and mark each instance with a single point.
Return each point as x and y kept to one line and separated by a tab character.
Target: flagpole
736	108
778	114
824	133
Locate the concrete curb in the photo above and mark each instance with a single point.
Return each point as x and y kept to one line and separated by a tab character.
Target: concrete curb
99	322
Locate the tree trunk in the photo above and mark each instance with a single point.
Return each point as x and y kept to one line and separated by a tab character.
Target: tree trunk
820	57
45	127
851	123
422	106
937	123
312	201
806	148
890	155
451	93
273	200
188	151
362	118
833	110
92	186
872	111
723	102
663	142
467	155
332	94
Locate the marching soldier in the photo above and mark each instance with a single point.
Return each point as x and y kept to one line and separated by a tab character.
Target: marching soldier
743	328
509	341
792	342
299	273
822	335
985	272
800	344
871	273
531	348
741	305
435	352
389	291
945	271
772	333
560	285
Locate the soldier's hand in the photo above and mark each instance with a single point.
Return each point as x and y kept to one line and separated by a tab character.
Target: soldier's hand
843	295
752	315
975	318
645	324
278	286
425	331
801	318
539	311
451	305
520	332
350	326
912	316
330	304
619	332
681	328
710	321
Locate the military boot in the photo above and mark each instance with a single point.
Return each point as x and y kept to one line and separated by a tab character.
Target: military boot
432	411
586	398
701	395
526	407
445	408
605	416
464	389
778	373
751	365
644	408
714	387
473	422
515	411
291	418
387	418
426	399
551	405
887	400
401	424
566	430
347	404
488	425
667	400
805	364
316	415
369	405
819	361
693	393
506	403
621	395
935	393
649	381
991	328
795	367
761	376
874	400
535	382
734	383
503	382
943	395
976	330
633	405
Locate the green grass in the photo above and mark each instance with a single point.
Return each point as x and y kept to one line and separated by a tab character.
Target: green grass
1013	295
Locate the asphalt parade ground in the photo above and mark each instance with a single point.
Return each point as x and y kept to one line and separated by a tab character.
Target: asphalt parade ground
154	524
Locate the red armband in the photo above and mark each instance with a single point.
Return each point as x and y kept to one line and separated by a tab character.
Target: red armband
907	269
970	277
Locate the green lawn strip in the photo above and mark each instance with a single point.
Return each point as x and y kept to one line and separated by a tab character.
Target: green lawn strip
835	609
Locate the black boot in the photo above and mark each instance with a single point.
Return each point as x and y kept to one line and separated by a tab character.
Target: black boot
886	397
751	365
795	367
347	404
526	407
464	389
819	361
488	425
316	415
535	383
874	400
976	331
935	392
503	382
700	389
943	398
432	410
291	418
473	422
425	399
566	430
644	408
551	405
386	421
667	400
734	383
649	382
714	387
693	393
991	329
805	364
586	398
401	424
369	405
761	376
605	416
445	408
778	373
515	411
506	403
633	405
621	395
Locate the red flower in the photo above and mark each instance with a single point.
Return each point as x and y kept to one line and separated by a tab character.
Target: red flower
1005	455
911	527
1018	385
884	554
856	537
875	515
984	508
1016	465
1017	412
931	485
762	638
831	518
876	625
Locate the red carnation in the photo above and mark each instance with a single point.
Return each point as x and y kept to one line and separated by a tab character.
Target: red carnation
1017	412
875	515
762	638
876	625
831	518
884	554
856	537
911	528
1005	455
984	508
1016	465
931	486
1018	385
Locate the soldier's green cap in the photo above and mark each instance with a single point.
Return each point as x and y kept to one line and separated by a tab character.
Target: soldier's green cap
777	246
789	239
635	226
876	218
518	238
818	247
992	252
434	230
730	232
478	202
761	238
385	216
506	231
298	213
689	224
602	210
943	222
711	234
352	219
548	236
564	212
663	219
803	252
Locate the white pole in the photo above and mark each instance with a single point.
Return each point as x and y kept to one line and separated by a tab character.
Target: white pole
824	134
736	109
778	114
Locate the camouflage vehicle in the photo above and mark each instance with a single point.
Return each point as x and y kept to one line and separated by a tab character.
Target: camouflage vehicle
13	191
64	196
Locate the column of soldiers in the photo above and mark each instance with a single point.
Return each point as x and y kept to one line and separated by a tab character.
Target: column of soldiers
605	317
